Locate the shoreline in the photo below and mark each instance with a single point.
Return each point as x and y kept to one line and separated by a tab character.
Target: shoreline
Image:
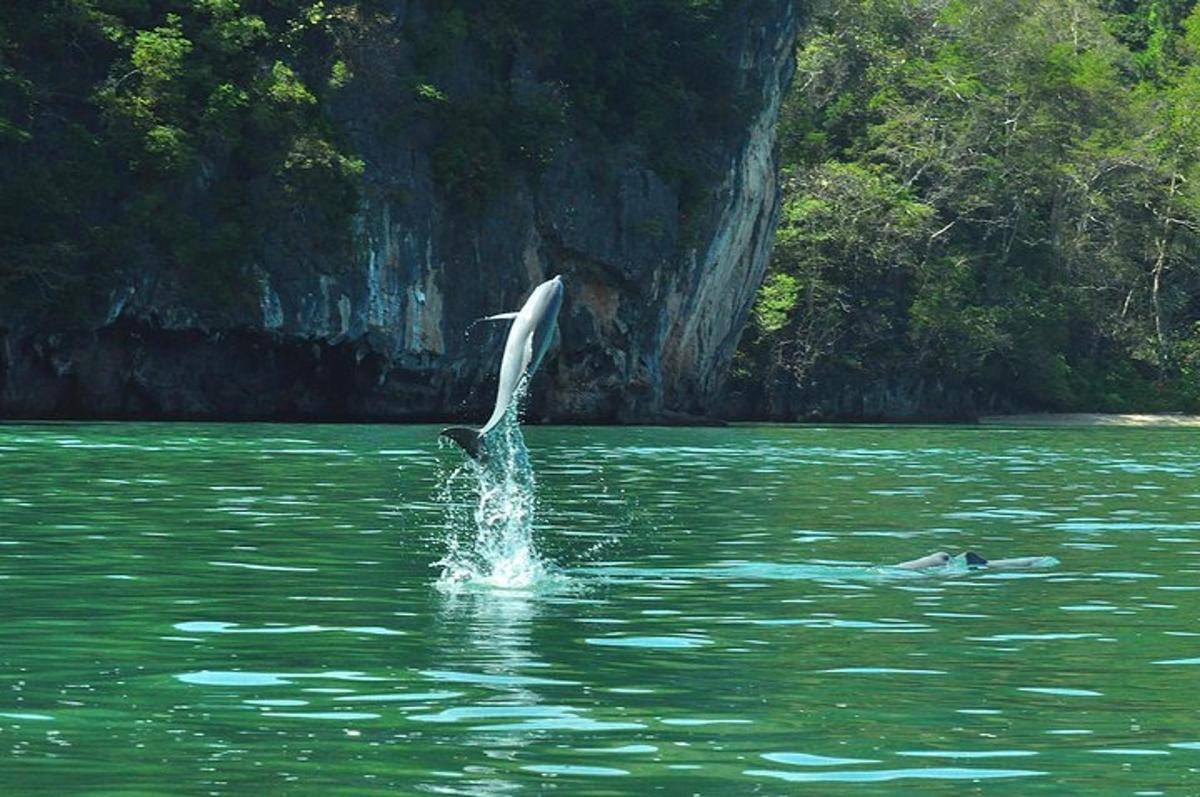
671	420
1151	420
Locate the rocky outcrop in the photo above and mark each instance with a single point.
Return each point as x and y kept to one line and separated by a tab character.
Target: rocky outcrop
658	288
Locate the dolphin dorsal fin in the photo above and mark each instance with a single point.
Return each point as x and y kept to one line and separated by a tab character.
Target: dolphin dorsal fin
496	317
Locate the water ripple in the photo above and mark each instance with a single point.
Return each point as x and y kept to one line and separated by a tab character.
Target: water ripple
882	775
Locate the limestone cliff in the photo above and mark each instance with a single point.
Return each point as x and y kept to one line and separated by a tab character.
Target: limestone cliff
659	280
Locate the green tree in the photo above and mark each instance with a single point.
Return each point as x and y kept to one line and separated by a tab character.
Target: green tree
1050	146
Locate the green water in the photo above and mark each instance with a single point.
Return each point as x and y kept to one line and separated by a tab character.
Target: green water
251	609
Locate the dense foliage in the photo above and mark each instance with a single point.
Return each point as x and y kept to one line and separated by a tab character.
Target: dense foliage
172	132
1001	197
192	136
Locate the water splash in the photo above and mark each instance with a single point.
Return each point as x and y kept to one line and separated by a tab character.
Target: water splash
490	516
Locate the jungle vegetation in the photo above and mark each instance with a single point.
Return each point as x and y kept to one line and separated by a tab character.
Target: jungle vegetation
1000	197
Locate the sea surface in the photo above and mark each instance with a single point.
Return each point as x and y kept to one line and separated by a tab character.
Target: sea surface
303	609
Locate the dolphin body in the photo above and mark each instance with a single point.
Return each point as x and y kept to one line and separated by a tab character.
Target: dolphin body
528	339
974	560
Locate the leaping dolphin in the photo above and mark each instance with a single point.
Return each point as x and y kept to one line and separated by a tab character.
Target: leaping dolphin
528	338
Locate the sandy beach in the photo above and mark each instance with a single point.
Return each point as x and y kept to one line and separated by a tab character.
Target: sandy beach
1092	419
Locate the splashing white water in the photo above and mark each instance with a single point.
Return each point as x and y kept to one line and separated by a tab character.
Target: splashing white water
490	514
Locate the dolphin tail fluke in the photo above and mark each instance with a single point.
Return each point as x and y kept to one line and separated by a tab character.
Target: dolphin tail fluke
470	440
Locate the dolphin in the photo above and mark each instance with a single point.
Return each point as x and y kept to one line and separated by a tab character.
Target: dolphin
973	560
528	338
932	560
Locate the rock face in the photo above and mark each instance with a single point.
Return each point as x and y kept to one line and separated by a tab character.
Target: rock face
657	293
